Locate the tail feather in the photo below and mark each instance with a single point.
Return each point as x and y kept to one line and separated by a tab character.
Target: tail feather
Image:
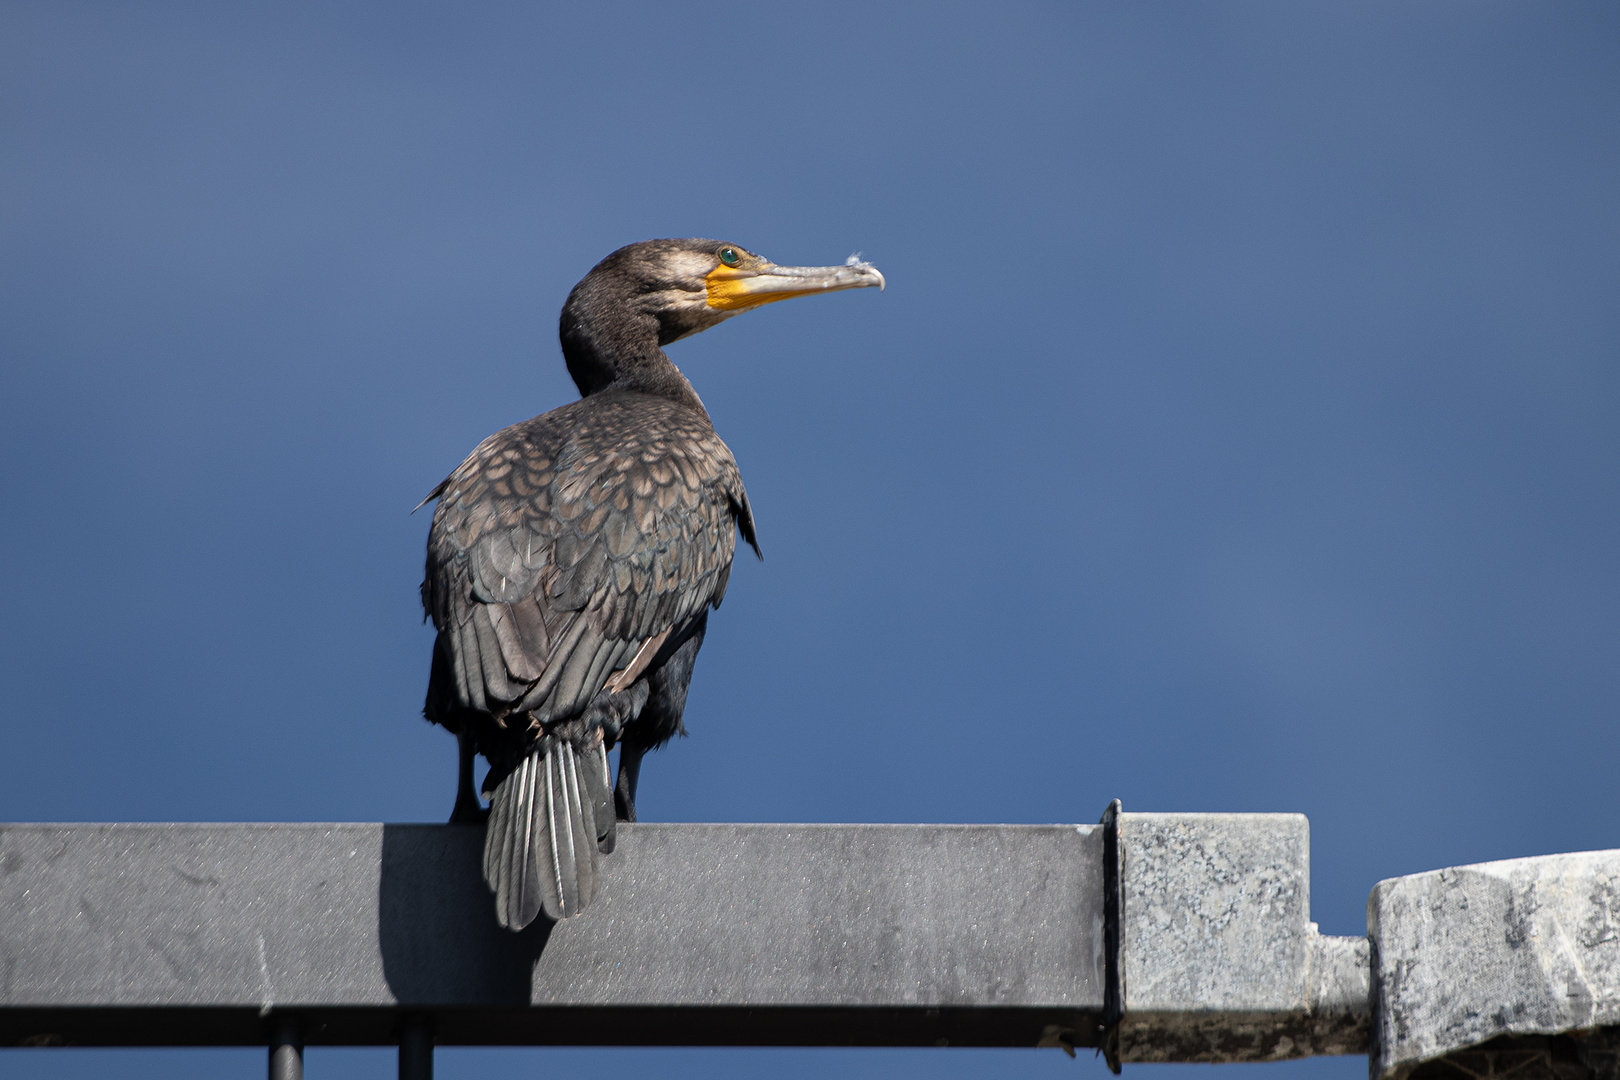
575	819
541	845
599	795
505	845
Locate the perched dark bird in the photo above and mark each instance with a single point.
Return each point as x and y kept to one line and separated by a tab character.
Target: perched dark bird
573	561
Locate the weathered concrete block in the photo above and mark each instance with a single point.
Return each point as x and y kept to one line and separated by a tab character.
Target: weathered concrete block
1222	962
1467	954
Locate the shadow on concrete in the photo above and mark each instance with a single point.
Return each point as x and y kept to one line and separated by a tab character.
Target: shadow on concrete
440	942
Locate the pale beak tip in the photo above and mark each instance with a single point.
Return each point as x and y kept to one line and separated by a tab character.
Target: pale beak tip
857	263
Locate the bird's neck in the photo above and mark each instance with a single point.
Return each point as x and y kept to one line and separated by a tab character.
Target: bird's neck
622	354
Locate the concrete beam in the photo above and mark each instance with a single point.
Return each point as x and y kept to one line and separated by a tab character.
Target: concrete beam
702	934
812	935
977	935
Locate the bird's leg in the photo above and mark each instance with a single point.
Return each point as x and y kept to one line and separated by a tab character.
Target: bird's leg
624	795
468	810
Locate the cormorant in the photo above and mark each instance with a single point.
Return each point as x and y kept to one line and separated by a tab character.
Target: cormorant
573	561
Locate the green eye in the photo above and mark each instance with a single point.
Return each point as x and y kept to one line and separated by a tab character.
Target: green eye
729	256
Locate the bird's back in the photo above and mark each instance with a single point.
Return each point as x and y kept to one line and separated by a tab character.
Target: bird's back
565	542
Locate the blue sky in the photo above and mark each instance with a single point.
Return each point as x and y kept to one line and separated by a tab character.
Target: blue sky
1240	429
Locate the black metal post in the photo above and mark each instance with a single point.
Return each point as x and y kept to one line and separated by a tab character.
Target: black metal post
416	1050
1113	938
286	1051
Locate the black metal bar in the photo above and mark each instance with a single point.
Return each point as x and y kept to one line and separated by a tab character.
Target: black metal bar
416	1050
1113	1012
286	1050
616	1025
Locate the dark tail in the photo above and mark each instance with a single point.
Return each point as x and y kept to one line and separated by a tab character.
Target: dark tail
545	823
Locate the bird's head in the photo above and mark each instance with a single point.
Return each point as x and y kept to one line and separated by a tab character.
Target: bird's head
659	291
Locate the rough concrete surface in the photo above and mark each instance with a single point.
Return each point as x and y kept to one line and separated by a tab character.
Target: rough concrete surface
1222	962
1463	956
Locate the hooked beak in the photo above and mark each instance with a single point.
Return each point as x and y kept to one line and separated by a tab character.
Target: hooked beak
738	288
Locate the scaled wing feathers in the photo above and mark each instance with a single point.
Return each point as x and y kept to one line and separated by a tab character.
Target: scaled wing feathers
565	549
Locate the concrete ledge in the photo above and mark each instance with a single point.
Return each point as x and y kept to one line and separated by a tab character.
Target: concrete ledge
877	935
1522	948
729	934
893	935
